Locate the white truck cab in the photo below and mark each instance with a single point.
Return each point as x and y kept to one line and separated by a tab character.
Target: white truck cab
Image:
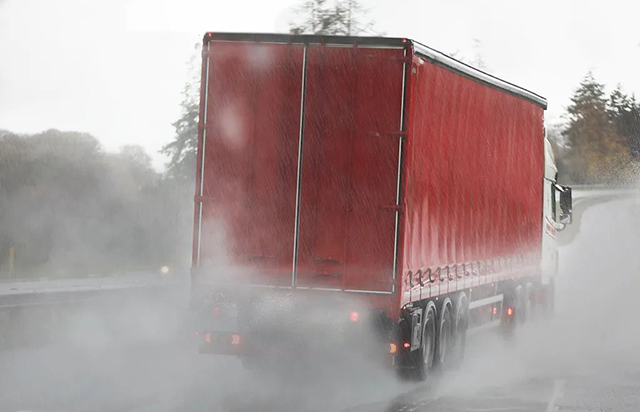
556	214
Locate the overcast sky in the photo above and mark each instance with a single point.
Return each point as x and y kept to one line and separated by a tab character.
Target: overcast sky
116	68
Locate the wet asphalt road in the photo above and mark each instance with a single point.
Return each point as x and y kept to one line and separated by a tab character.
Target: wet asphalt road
587	358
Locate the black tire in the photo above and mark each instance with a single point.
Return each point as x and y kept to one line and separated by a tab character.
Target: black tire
425	356
445	334
461	324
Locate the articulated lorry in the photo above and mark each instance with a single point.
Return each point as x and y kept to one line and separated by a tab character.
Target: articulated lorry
377	169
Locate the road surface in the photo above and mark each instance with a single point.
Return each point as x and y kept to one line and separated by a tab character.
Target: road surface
586	359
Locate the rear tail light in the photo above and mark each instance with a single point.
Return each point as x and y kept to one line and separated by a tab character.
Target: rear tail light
354	316
406	345
235	339
216	311
207	337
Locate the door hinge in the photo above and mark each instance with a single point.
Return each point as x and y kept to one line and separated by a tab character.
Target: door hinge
394	208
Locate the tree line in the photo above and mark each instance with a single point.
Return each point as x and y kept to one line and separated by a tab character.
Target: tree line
600	141
69	208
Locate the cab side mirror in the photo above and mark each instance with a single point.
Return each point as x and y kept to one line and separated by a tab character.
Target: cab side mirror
565	201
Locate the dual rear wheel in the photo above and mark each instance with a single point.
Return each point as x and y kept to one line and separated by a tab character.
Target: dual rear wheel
443	337
444	327
425	356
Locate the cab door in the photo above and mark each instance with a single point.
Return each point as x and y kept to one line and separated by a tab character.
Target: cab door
549	262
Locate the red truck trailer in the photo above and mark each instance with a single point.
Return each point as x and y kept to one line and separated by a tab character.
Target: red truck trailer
375	168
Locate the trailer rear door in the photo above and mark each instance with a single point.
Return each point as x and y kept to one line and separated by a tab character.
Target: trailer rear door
300	158
247	181
350	161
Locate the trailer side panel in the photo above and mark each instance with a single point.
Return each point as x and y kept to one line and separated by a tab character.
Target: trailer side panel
473	201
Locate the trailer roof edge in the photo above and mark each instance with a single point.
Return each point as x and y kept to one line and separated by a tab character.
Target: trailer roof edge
421	50
305	38
470	71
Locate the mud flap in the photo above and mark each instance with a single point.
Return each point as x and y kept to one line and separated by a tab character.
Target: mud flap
416	329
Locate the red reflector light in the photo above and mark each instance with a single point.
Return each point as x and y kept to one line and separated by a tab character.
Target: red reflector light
354	316
207	337
235	339
393	348
509	312
406	345
216	311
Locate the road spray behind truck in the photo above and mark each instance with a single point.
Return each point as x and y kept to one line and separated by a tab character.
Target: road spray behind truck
374	168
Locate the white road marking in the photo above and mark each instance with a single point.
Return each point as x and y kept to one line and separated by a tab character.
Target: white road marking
558	392
508	408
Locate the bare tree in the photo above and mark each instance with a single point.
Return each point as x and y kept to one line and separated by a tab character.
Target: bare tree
341	18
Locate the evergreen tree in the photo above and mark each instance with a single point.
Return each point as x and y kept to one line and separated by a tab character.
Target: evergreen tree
598	153
182	150
624	112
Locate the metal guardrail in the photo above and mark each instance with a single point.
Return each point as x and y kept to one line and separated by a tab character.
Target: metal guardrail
41	311
45	292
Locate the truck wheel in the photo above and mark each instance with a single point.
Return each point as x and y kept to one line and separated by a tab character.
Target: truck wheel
445	334
461	324
424	357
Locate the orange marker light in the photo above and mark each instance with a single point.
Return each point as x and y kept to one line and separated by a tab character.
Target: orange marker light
393	348
354	316
509	312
